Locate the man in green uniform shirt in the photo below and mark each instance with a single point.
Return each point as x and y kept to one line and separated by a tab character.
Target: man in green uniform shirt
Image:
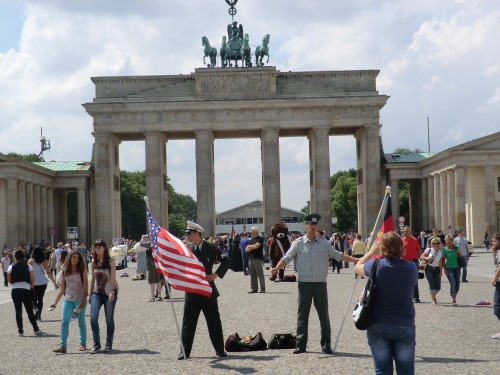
311	256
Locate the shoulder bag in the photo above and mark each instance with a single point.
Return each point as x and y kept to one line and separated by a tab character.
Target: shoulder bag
363	311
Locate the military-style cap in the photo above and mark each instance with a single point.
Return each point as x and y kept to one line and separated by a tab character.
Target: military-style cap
193	226
312	218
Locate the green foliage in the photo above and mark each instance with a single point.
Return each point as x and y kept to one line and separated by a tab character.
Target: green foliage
344	199
333	179
28	157
307	208
406	150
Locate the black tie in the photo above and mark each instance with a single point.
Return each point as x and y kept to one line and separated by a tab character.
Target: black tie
197	251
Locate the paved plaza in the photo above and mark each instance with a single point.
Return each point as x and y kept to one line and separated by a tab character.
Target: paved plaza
450	340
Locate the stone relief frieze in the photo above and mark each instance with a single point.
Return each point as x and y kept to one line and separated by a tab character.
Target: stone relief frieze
231	85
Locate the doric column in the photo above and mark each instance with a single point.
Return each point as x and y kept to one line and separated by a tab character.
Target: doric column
460	197
12	214
416	205
50	208
437	201
37	213
425	204
430	202
489	198
319	166
43	213
451	199
395	202
270	151
156	176
21	209
61	214
107	186
30	217
444	201
82	214
205	181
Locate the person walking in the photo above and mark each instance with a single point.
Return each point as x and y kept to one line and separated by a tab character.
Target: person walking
103	292
358	249
20	276
392	334
74	287
412	253
194	303
495	247
256	261
41	271
432	257
5	266
449	263
463	246
310	254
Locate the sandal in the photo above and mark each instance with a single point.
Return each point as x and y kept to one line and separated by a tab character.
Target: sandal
434	303
61	350
152	299
83	348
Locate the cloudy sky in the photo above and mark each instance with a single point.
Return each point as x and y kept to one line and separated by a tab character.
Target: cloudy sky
437	59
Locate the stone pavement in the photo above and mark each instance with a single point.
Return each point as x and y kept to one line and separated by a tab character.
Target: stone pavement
450	340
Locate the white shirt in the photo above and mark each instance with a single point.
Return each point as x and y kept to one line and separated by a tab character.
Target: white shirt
436	257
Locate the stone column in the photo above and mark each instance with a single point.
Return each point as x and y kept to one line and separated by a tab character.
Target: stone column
30	216
205	181
43	213
12	214
425	204
395	203
21	209
416	205
460	197
450	177
50	208
319	166
156	177
61	215
82	214
444	201
437	201
107	186
430	202
489	198
271	188
37	213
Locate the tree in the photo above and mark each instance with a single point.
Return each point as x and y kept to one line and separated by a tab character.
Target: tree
28	157
307	208
333	179
406	150
344	200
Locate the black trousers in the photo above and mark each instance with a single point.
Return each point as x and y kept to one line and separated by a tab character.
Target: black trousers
38	293
22	297
192	311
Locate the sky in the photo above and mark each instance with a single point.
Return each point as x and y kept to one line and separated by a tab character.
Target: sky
437	59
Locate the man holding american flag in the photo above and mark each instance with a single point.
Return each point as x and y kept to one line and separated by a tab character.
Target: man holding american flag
194	303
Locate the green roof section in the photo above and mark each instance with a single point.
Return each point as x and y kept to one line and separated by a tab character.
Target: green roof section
64	166
414	157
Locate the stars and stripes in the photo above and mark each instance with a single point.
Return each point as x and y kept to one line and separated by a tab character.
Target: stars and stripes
182	269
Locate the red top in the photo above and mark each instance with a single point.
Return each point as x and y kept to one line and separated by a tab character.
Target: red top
412	248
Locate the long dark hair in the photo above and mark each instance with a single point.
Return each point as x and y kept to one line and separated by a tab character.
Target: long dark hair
106	257
38	255
68	266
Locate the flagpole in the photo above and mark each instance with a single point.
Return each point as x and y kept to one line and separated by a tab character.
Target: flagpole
372	240
146	199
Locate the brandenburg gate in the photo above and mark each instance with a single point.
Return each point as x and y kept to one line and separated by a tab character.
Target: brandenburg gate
251	102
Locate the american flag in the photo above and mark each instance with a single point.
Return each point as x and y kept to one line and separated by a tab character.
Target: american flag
176	262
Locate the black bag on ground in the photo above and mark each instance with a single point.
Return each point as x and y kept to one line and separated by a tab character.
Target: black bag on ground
282	341
233	343
363	311
289	278
251	343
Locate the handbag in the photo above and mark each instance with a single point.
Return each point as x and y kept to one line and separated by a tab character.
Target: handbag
363	311
461	261
422	264
282	341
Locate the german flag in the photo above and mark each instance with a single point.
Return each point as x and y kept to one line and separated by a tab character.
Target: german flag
232	232
384	222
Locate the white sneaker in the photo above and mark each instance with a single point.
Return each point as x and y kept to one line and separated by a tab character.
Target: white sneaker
497	336
159	299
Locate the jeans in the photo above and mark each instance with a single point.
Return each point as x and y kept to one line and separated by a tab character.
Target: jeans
22	297
96	302
388	342
464	268
67	311
244	256
5	283
496	300
38	293
432	275
454	279
257	272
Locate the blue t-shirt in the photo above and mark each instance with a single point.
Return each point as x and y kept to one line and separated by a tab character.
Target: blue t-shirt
394	280
243	243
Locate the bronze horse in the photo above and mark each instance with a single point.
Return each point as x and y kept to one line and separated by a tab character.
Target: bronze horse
209	51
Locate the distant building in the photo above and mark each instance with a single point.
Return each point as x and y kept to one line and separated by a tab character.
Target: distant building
250	214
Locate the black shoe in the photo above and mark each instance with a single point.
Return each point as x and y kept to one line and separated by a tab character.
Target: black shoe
298	351
221	354
181	357
250	292
465	281
108	348
327	350
417	300
95	349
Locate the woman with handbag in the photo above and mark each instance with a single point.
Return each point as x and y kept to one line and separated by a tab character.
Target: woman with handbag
431	260
450	264
391	336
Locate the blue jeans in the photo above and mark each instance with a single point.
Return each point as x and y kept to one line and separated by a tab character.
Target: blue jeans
454	279
96	301
432	275
464	268
67	310
388	342
244	257
496	300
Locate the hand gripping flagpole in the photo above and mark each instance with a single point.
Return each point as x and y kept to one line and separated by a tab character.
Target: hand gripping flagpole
146	199
378	224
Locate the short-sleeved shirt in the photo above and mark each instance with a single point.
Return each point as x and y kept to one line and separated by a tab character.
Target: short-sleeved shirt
451	257
243	244
5	264
412	248
358	247
20	284
463	245
436	256
257	253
